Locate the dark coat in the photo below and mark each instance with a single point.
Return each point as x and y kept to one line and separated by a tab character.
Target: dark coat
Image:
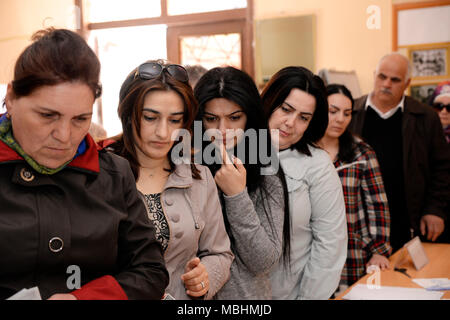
426	159
92	211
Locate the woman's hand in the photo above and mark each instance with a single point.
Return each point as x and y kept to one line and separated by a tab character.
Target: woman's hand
380	261
231	178
195	278
62	296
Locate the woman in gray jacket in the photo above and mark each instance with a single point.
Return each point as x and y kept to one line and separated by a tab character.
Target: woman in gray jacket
253	200
295	102
156	103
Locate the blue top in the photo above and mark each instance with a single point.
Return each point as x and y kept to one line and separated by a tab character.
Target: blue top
318	228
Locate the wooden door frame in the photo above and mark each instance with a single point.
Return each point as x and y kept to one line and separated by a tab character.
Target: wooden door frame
186	21
174	33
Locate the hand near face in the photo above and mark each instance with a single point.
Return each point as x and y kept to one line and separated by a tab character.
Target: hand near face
195	278
231	178
432	226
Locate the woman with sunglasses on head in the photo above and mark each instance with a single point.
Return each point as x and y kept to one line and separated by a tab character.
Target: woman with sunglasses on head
70	215
294	101
156	103
253	203
366	203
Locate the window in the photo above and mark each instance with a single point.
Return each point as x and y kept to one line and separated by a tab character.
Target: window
114	10
175	7
120	50
212	50
126	33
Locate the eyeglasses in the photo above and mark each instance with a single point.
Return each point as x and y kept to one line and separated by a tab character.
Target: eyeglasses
440	106
152	70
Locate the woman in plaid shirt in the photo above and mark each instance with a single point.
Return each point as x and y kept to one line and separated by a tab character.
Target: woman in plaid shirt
366	203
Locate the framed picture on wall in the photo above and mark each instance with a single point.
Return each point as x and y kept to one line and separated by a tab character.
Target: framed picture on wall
422	91
429	61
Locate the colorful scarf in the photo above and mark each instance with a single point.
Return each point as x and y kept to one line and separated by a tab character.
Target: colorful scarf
7	137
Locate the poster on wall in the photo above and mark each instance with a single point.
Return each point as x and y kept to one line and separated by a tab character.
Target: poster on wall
422	92
429	61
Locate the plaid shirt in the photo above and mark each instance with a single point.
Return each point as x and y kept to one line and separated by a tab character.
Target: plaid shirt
368	218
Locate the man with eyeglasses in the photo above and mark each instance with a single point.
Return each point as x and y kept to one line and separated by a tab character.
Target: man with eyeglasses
414	157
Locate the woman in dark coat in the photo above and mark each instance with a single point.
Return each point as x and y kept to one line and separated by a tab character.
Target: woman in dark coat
71	221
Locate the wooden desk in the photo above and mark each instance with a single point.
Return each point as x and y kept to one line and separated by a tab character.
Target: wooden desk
437	267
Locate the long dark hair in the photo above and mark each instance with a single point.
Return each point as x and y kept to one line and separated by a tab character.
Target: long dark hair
131	100
347	146
238	87
277	90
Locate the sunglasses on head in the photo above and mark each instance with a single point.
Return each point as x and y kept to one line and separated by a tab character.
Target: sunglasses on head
440	106
152	70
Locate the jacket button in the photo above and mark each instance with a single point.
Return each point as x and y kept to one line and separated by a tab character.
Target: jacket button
26	175
175	218
169	202
56	244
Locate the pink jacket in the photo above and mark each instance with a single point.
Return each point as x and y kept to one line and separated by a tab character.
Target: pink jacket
194	215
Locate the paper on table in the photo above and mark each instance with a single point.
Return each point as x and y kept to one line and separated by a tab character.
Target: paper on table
363	292
27	294
434	283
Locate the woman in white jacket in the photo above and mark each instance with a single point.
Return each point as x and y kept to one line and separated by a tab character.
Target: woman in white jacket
295	103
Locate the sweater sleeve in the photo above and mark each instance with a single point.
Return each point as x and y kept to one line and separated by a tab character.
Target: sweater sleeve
214	244
257	230
322	271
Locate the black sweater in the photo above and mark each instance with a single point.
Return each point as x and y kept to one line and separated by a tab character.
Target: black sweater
385	137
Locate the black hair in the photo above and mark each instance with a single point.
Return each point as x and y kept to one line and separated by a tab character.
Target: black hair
238	87
347	146
277	90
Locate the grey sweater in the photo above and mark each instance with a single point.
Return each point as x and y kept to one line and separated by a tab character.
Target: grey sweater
257	242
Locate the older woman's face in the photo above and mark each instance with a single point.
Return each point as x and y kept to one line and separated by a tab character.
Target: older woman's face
50	123
444	115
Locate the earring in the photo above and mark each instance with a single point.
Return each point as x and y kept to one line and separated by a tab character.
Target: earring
8	116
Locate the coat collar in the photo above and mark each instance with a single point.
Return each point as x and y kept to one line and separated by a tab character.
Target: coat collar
180	178
87	162
408	105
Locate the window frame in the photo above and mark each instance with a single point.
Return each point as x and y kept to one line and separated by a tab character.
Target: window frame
193	21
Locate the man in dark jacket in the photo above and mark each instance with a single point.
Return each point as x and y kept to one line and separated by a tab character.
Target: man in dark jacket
411	149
